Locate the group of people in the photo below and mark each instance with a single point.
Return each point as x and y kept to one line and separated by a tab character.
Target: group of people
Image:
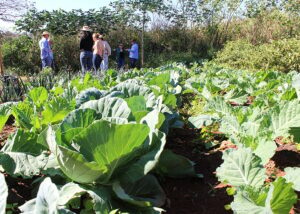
94	52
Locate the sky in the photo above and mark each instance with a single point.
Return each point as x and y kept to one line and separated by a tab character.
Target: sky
70	4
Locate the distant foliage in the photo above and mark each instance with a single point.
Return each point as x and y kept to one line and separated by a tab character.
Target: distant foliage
281	55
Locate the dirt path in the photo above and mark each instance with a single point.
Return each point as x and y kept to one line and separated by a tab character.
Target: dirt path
191	195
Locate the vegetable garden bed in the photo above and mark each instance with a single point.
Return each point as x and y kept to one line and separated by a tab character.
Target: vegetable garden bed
174	139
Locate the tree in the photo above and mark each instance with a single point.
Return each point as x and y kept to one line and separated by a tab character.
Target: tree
10	10
139	11
61	22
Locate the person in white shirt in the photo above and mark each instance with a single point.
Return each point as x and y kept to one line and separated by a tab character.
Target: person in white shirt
107	53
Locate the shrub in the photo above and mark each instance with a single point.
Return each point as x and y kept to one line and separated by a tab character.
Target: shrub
281	55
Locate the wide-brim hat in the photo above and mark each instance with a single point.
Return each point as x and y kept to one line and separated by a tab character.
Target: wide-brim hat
45	33
86	28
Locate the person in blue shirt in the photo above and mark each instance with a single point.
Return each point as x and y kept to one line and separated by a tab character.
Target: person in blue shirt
133	54
45	50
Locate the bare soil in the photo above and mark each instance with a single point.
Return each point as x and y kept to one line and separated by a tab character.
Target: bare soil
194	195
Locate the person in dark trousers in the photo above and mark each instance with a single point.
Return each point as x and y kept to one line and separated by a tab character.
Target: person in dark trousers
133	54
120	56
86	49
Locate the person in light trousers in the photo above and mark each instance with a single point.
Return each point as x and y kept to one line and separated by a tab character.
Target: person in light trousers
107	53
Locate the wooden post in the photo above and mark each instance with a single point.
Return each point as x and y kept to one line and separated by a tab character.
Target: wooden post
1	64
143	35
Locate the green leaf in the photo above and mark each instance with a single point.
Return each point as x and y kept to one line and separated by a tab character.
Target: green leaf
283	196
133	89
100	154
139	115
56	110
237	96
284	117
5	111
136	103
218	104
47	198
22	164
113	147
76	167
42	137
24	114
147	161
99	196
295	131
201	120
241	168
170	100
38	96
74	123
24	142
278	199
3	194
265	150
175	166
144	192
292	175
109	107
248	201
160	80
89	94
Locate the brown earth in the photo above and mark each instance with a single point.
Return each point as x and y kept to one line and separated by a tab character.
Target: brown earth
194	195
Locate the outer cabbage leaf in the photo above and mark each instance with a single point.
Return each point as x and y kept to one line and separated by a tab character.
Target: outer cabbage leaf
175	166
5	111
241	168
132	89
109	107
89	94
147	161
24	142
22	164
50	200
293	175
279	199
285	116
136	103
144	192
201	120
24	115
74	123
265	150
3	194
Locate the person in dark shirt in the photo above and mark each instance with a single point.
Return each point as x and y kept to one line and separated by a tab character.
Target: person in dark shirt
86	49
120	56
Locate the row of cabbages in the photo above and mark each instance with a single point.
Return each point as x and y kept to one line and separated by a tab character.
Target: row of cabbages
100	152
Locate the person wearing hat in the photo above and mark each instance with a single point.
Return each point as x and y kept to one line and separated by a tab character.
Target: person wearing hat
107	53
86	49
45	50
